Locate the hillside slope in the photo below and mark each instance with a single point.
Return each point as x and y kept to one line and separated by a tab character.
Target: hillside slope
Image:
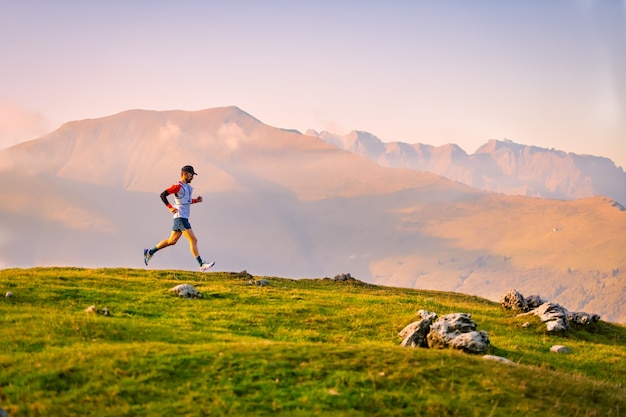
293	347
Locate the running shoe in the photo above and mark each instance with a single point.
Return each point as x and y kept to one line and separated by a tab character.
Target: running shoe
146	256
206	266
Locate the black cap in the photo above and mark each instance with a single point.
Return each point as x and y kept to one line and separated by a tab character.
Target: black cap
189	169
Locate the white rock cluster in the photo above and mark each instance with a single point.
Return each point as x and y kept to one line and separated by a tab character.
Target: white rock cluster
457	331
555	316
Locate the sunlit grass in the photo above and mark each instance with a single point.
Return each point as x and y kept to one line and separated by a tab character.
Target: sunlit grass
296	347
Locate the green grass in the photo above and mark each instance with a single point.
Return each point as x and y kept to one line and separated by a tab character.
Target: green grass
296	347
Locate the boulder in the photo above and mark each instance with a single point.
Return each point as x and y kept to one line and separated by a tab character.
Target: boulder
583	318
456	330
185	291
471	342
445	330
415	333
513	300
456	322
534	301
553	315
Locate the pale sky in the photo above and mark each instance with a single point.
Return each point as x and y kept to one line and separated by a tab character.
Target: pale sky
550	73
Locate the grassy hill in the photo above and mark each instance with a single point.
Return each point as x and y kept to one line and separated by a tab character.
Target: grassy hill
295	347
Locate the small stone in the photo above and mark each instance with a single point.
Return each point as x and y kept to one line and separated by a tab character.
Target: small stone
185	291
343	277
560	349
498	359
243	274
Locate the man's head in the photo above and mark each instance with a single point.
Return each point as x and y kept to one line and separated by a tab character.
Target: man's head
187	173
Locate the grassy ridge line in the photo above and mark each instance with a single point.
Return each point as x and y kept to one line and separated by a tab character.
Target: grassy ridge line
297	347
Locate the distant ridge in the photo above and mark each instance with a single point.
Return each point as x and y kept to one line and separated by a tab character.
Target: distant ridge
499	165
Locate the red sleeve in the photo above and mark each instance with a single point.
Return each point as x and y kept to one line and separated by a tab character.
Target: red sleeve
172	190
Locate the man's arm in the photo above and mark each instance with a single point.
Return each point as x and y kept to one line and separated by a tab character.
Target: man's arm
172	190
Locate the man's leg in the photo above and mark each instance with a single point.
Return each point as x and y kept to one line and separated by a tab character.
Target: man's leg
174	236
193	242
193	246
170	241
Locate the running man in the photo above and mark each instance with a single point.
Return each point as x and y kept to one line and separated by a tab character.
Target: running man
181	208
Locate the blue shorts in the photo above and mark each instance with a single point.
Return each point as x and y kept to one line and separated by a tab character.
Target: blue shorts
181	224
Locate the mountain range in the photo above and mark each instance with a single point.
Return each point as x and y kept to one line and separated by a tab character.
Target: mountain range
281	203
501	166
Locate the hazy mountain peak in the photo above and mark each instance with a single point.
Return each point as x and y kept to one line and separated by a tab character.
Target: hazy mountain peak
143	149
494	145
499	165
489	147
451	148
